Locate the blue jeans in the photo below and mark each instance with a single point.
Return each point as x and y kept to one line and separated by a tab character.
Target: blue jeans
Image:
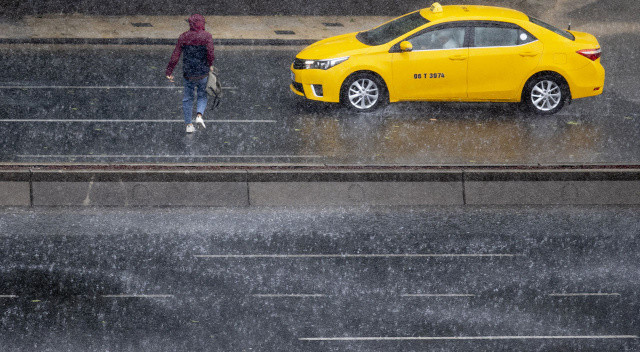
187	100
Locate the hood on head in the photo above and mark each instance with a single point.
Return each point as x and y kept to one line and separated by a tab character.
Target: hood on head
196	22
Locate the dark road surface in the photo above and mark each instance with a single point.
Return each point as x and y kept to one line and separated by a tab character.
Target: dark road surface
506	279
113	104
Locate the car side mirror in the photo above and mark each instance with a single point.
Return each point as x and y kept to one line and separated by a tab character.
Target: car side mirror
406	46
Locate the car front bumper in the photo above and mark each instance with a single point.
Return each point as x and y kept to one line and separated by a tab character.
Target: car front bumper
314	84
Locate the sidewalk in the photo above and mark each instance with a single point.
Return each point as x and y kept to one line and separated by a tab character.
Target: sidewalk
164	30
233	30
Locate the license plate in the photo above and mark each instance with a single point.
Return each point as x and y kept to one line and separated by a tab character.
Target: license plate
293	76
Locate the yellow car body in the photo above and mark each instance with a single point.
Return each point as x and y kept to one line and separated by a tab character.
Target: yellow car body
473	67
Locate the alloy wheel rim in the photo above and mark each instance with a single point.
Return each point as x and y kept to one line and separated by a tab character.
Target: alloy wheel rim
546	95
363	93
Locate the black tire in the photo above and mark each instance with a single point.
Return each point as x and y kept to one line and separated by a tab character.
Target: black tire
545	94
370	86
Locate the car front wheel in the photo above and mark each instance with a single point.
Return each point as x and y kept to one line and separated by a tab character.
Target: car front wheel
363	92
545	95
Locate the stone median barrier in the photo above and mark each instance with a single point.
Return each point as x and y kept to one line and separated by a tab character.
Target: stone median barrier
138	188
513	187
15	188
355	187
244	187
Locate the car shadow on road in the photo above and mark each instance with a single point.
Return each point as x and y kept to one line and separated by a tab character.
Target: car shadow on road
420	110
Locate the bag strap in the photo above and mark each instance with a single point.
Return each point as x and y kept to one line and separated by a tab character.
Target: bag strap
216	100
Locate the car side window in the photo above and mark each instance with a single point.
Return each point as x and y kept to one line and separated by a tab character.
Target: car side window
492	35
495	36
445	38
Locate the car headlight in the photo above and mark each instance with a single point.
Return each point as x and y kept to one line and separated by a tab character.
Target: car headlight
324	64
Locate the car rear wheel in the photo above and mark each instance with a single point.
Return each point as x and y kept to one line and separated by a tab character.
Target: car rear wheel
545	95
363	92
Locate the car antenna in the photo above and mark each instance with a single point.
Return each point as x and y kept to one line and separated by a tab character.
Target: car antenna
569	26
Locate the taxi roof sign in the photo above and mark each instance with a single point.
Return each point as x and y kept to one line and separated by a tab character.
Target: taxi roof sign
436	7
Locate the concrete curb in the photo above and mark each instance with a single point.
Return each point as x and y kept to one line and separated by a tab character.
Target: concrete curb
254	187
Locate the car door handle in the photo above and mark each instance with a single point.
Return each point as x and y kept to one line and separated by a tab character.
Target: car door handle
528	54
458	57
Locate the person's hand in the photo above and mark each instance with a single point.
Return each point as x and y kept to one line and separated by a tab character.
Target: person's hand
170	78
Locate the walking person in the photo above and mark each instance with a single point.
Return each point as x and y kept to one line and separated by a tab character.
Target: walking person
196	45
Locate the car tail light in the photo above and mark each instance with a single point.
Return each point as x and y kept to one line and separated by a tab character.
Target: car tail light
591	54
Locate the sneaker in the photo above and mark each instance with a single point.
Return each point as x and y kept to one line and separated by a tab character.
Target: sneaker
200	122
190	128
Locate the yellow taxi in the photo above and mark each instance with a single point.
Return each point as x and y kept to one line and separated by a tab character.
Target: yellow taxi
453	53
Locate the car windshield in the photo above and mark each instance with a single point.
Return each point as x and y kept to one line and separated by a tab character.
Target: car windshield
552	28
392	30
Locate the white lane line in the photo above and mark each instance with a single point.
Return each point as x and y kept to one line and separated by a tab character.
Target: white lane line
438	295
137	296
8	296
99	87
577	294
284	256
167	156
515	337
284	295
130	121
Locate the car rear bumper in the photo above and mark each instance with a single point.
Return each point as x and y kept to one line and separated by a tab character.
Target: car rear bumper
587	81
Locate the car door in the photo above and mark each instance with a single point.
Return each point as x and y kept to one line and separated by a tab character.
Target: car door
501	56
436	67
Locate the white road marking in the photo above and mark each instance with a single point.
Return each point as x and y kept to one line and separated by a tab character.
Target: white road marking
167	156
8	296
99	87
284	295
583	294
438	295
137	296
515	337
454	255
131	121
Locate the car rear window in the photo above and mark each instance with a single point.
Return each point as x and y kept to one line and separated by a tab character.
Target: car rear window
552	28
391	30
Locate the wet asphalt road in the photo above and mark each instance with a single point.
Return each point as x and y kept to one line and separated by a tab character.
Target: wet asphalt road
261	121
145	280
